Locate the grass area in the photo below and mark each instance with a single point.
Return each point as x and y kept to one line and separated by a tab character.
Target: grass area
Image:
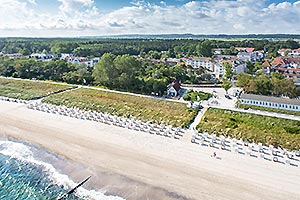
253	128
145	109
196	96
269	109
27	90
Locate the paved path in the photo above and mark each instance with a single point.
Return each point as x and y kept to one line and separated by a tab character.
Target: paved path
191	131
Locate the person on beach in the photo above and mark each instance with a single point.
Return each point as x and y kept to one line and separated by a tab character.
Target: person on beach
214	155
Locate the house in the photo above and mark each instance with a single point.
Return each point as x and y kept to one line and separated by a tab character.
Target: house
270	102
173	89
283	52
289	52
172	61
266	67
288	66
295	53
245	49
218	51
79	60
43	57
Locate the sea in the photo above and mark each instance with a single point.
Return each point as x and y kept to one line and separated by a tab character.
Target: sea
27	173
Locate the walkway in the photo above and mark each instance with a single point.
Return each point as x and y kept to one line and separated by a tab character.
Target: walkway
191	131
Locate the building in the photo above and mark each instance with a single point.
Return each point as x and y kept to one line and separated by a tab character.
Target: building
289	52
43	57
172	61
204	62
266	67
288	66
173	89
219	70
246	56
12	56
270	102
239	67
245	49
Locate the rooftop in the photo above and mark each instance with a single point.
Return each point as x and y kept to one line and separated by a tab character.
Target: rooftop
270	99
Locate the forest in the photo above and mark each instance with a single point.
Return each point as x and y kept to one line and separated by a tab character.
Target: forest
169	47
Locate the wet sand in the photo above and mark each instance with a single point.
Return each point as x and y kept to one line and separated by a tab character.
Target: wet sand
136	165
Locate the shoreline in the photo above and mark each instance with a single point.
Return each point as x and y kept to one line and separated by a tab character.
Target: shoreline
136	165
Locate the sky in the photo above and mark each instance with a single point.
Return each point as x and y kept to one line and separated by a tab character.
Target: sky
73	18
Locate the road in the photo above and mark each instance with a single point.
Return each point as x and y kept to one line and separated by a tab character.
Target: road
220	101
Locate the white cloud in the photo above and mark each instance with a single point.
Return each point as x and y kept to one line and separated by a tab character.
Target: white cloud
83	17
32	2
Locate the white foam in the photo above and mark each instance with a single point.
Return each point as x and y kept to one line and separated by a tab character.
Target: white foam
23	153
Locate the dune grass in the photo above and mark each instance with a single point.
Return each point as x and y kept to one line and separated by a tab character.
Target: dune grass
253	128
129	106
27	90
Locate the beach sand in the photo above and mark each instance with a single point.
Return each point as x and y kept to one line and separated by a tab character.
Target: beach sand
137	165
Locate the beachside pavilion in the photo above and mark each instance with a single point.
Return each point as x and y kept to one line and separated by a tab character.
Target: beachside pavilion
270	102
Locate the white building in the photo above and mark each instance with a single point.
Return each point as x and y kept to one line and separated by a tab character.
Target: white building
246	56
270	102
204	62
43	57
219	70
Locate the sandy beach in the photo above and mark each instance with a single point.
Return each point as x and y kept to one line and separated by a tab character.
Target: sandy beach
136	165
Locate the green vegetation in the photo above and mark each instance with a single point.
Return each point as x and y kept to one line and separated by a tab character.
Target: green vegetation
269	109
253	128
277	85
145	109
128	73
159	47
196	96
27	90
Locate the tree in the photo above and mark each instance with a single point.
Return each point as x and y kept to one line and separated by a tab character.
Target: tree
251	87
277	75
105	72
228	70
250	66
264	85
205	49
128	69
243	79
226	84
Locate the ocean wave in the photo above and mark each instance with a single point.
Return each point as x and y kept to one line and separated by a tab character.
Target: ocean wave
24	153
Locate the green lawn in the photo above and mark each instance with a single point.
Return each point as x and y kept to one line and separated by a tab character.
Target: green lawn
142	108
254	128
196	96
27	90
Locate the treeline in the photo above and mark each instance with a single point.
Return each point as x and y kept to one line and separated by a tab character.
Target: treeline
123	72
277	85
55	70
169	47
